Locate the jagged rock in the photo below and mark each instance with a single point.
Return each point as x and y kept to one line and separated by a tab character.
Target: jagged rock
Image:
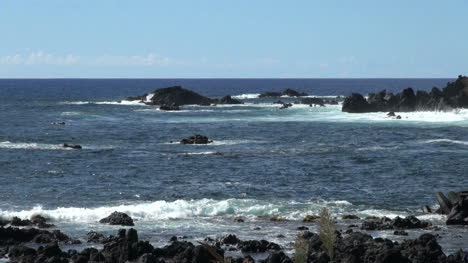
229	100
118	218
356	103
13	235
454	95
230	240
278	257
196	139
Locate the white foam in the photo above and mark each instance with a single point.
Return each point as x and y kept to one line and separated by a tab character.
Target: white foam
200	153
123	102
246	96
31	145
446	141
180	209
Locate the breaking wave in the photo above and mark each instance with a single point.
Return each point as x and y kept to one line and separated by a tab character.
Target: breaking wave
186	209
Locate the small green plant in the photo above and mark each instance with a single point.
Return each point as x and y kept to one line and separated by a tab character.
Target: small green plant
327	229
301	249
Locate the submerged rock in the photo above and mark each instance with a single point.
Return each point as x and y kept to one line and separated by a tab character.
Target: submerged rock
118	218
313	101
72	146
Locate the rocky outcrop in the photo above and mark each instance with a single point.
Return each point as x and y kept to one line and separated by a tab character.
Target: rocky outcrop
287	92
118	218
196	139
172	95
454	95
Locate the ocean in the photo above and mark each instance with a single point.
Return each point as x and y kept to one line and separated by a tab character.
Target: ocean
264	161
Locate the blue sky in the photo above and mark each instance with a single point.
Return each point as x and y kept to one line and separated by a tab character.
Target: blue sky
233	39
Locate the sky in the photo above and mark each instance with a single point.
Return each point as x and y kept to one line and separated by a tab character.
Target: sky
233	39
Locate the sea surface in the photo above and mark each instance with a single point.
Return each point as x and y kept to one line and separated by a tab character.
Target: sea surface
264	161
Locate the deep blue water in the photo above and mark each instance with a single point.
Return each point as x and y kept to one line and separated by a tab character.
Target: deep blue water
264	161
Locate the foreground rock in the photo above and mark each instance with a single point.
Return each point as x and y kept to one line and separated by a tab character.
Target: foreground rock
172	95
360	247
455	207
118	218
127	247
454	95
196	139
13	236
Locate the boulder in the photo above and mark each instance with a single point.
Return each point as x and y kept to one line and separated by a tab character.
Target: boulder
385	223
196	139
118	218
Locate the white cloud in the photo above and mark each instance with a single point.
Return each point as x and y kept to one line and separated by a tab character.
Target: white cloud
42	58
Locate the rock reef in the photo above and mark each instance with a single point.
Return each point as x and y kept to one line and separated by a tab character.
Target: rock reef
453	96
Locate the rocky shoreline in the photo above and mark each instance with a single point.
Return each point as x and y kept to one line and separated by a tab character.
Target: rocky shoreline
25	240
453	96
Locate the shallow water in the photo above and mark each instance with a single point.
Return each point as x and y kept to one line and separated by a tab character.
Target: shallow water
264	161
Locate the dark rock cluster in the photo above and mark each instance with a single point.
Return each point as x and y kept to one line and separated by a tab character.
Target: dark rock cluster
385	223
287	92
196	139
360	247
455	207
453	96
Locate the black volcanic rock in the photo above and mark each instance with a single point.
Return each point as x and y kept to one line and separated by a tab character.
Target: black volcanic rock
196	139
175	95
172	107
454	95
229	100
118	218
356	103
293	93
313	101
287	92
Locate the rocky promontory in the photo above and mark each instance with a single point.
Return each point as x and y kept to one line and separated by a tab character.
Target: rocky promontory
171	98
453	96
